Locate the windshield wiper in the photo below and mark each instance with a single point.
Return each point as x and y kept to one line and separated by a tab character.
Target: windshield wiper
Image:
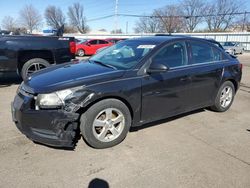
103	64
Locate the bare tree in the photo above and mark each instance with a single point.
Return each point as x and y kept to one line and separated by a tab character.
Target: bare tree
30	18
9	23
54	17
192	10
220	14
149	25
118	31
77	18
170	18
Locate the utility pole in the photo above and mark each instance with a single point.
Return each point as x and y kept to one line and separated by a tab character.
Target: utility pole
127	27
244	21
116	15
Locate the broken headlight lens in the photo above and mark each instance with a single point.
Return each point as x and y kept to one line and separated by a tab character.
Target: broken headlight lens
54	100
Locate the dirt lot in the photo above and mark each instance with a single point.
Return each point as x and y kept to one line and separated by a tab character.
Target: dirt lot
201	149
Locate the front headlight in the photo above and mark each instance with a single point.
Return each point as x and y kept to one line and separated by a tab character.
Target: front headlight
54	100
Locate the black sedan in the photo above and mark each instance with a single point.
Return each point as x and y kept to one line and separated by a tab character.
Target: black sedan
129	84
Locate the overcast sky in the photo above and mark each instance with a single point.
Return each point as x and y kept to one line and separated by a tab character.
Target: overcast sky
93	9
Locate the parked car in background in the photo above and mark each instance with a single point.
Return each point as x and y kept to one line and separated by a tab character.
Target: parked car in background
233	47
89	47
28	54
115	40
131	83
77	40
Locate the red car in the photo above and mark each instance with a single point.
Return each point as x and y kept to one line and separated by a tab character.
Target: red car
115	40
89	47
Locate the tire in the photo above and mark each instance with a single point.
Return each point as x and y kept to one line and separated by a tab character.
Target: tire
234	52
102	136
81	52
218	103
36	64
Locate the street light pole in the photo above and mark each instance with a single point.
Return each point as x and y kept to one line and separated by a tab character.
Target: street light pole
116	15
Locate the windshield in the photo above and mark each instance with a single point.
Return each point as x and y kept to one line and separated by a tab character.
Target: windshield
124	55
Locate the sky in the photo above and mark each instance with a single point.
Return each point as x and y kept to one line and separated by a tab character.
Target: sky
93	9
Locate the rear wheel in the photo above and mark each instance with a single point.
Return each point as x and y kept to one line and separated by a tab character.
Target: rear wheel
106	123
33	65
81	52
225	97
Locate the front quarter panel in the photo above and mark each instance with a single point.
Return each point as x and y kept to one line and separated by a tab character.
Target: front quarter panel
127	89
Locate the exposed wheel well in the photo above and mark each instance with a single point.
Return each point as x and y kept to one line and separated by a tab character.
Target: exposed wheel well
24	56
83	109
234	83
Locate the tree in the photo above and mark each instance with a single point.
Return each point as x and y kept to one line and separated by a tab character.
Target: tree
77	18
54	17
30	18
170	18
103	30
69	29
220	14
148	25
192	9
118	31
9	23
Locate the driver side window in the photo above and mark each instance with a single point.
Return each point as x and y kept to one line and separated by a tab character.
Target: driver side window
172	55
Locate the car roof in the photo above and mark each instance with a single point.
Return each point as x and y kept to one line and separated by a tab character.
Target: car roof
165	38
154	39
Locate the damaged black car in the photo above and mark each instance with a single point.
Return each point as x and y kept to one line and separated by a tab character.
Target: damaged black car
129	84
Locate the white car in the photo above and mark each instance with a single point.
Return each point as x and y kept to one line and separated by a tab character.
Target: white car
233	48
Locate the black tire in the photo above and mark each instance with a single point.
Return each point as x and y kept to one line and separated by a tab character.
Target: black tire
25	69
87	120
217	104
81	52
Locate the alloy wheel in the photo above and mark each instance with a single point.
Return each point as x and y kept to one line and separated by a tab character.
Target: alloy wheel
108	125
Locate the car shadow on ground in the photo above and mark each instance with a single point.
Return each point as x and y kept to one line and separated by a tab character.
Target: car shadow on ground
166	120
9	80
132	129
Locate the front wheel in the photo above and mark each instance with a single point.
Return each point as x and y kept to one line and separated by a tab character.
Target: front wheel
106	123
225	97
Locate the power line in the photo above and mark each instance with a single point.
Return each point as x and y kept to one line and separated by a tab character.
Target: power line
155	16
183	16
100	18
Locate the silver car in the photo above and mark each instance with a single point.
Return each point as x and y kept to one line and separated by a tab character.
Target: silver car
233	47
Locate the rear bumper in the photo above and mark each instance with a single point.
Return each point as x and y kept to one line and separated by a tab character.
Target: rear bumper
50	127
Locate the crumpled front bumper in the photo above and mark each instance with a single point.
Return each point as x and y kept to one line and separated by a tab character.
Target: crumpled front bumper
50	127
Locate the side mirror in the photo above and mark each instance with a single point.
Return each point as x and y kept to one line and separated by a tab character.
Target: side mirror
88	44
157	68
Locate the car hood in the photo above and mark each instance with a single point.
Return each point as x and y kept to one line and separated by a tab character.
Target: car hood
70	75
228	47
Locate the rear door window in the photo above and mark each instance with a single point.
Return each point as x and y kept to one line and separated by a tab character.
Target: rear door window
93	42
201	52
103	42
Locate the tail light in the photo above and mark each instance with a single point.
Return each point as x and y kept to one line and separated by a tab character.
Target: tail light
241	66
72	46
